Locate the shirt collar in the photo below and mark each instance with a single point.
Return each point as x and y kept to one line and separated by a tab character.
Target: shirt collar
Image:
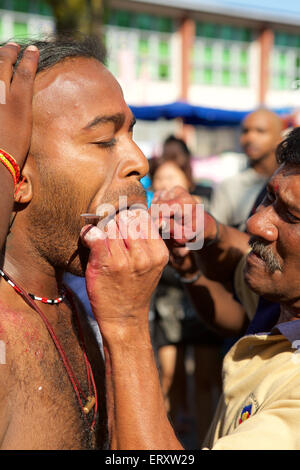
289	329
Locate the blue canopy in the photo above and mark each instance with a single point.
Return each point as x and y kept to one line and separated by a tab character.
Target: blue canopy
196	115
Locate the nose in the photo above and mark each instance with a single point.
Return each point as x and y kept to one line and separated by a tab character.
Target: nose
133	163
263	224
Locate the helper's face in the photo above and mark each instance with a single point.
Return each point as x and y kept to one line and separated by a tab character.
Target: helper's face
259	136
169	175
273	271
84	153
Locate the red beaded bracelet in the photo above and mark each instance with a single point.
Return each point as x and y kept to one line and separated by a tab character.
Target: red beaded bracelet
10	163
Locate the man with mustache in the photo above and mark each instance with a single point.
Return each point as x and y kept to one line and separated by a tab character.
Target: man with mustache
261	372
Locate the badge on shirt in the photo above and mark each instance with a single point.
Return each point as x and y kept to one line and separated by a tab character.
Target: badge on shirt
248	408
245	414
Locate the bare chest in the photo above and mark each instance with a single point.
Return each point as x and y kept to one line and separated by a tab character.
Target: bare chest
44	406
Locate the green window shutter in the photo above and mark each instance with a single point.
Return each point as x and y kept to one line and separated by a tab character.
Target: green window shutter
208	30
21	5
226	56
243	79
20	29
45	8
143	46
208	53
225	32
246	35
163	71
226	77
281	60
208	75
164	49
144	21
165	25
282	82
244	57
121	18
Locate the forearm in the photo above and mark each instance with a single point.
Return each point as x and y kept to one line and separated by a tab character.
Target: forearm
139	419
217	307
6	202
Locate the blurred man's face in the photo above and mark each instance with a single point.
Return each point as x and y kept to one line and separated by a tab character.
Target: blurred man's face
273	265
82	153
260	136
169	175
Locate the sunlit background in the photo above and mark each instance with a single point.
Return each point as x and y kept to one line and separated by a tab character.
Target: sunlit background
191	68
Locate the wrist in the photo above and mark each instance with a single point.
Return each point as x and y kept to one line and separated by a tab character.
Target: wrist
212	231
188	277
119	330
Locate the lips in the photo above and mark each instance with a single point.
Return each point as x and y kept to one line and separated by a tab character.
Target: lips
255	257
106	211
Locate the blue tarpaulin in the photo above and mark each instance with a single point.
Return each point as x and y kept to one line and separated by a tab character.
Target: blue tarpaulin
196	115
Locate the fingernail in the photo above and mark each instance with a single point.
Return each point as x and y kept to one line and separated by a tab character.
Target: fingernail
92	233
32	48
12	44
163	225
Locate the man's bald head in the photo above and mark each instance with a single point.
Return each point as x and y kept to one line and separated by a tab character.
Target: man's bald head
261	133
268	116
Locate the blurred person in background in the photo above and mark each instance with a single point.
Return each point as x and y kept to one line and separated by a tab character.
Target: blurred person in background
234	198
179	336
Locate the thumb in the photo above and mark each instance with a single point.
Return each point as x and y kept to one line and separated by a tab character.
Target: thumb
90	234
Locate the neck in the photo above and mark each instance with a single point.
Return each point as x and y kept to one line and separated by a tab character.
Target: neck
265	166
27	268
288	313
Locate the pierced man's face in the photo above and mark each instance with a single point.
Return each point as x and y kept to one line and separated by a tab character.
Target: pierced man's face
82	155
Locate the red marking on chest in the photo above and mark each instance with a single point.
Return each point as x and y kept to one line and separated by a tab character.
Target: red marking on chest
18	328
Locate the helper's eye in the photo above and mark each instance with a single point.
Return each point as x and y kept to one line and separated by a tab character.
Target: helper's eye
292	218
269	198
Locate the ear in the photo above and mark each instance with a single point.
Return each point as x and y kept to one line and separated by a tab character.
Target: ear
24	191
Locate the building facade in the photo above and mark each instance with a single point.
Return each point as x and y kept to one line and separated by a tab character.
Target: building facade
203	52
201	56
25	18
207	55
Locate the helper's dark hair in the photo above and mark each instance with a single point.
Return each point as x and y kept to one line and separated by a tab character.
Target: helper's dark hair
288	151
182	159
55	49
172	139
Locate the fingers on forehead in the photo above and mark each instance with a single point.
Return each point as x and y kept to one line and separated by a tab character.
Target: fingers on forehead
9	52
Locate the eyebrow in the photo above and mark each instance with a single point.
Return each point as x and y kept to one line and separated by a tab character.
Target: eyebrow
117	119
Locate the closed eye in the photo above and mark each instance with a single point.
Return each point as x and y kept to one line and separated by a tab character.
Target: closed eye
105	144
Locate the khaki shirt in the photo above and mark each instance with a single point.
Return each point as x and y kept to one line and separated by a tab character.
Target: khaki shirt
260	404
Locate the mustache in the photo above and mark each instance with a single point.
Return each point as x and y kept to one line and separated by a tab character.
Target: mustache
261	249
113	197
